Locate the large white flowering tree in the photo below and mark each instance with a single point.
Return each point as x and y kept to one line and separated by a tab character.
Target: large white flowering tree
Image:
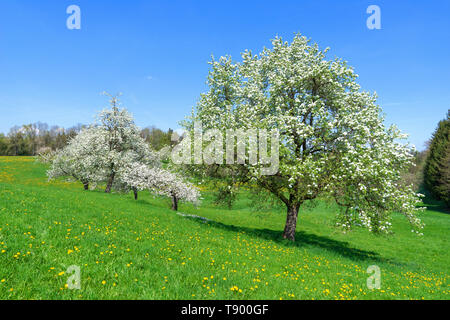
111	151
332	137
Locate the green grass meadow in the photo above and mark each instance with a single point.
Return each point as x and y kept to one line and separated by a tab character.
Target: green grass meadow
129	249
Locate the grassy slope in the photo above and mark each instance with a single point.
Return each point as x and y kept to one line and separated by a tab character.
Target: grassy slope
141	250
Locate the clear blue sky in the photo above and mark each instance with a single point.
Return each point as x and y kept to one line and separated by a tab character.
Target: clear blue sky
156	53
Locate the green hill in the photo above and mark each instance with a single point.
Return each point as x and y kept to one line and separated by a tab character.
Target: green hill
129	249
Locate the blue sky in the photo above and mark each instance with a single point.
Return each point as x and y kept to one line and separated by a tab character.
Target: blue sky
156	54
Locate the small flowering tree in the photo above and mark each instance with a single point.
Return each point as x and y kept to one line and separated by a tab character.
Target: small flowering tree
122	141
156	180
80	158
112	151
99	152
332	137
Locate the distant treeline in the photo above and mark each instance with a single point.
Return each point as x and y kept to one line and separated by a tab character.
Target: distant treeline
37	138
437	164
431	169
432	166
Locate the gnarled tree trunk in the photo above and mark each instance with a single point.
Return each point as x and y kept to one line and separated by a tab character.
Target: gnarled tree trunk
110	182
135	193
174	202
291	221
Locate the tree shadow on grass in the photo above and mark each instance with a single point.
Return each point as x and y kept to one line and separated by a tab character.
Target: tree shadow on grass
432	204
304	240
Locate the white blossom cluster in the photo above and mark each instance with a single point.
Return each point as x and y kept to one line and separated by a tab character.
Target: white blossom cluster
82	158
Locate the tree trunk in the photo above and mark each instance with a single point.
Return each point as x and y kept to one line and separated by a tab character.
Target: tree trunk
291	222
86	185
174	202
110	182
135	193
